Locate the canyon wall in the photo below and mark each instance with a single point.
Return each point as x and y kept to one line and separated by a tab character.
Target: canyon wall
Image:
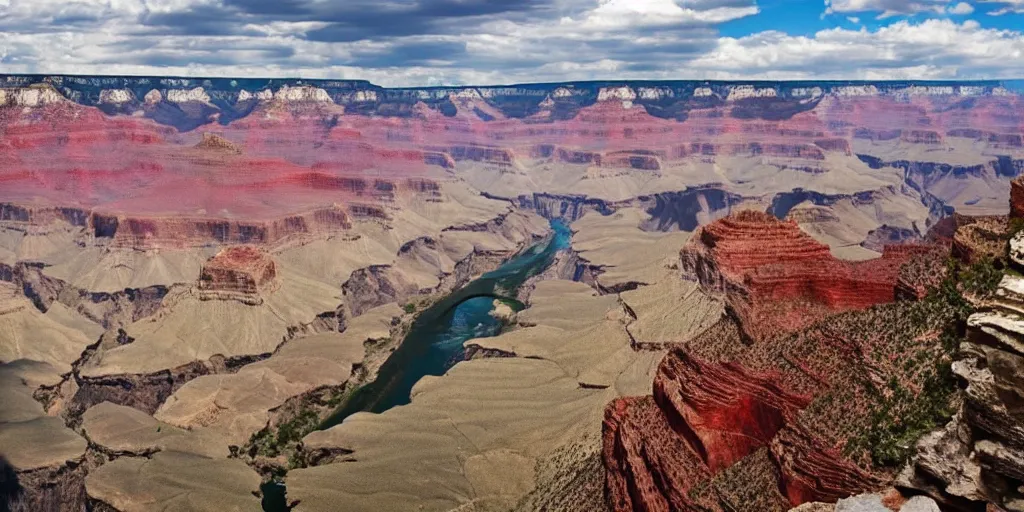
766	409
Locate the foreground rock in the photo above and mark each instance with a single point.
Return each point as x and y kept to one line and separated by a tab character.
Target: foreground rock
977	457
888	502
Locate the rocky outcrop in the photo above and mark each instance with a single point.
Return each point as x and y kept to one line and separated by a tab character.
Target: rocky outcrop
1017	198
775	276
981	238
145	392
177	232
169	480
979	456
43	461
723	411
238	272
891	501
770	409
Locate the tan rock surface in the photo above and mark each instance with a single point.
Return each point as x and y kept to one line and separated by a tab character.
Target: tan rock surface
27	333
238	405
175	481
190	329
484	426
121	429
625	253
672	310
39	443
484	408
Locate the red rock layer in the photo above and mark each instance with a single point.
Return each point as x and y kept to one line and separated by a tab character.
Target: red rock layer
719	403
704	419
1017	198
724	411
813	472
775	276
649	466
242	269
288	157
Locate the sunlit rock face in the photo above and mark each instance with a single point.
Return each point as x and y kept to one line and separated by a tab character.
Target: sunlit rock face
762	409
777	277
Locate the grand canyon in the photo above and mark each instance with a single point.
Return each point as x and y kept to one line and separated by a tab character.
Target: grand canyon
696	296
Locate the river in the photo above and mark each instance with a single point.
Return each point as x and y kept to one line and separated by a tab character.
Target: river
434	343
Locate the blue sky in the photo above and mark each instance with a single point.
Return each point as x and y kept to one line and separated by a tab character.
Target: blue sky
434	42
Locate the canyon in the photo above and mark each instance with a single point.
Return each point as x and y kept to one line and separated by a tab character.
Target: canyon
195	274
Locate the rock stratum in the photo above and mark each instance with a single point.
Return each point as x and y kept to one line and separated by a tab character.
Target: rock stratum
739	401
195	272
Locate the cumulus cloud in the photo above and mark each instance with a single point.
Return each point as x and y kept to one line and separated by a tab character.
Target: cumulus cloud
433	42
961	9
930	49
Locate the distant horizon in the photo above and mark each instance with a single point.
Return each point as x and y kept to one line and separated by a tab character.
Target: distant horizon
1014	82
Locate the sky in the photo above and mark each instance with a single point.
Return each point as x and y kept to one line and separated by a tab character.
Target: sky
486	42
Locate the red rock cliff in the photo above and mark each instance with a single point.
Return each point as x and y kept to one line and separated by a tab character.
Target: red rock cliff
775	276
762	403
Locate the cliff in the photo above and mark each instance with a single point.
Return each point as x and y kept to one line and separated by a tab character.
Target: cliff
776	277
802	410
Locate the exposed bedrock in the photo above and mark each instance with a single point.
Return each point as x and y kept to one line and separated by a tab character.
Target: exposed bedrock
110	310
981	238
707	421
928	177
1017	199
42	462
683	210
723	411
979	456
143	232
184	232
242	272
775	276
687	209
762	411
145	392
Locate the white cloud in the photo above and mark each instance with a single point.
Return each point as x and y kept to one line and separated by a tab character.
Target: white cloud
589	39
930	49
1008	6
962	8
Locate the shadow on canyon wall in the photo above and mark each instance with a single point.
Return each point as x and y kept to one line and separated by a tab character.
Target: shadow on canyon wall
10	489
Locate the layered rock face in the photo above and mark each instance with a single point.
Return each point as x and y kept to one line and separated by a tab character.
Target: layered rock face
320	208
238	271
283	151
979	456
762	413
775	276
